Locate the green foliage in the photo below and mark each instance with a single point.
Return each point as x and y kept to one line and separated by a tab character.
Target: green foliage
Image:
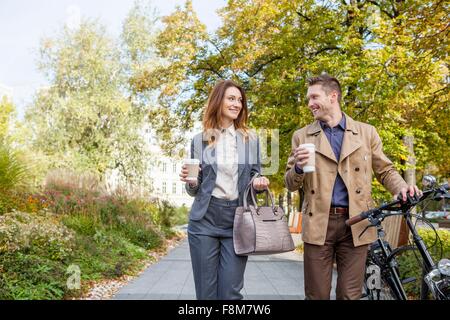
85	208
87	119
12	169
410	267
34	251
106	254
7	111
29	276
181	216
106	236
391	60
37	233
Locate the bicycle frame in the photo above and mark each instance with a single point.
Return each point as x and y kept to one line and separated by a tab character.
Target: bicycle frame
388	271
435	276
393	278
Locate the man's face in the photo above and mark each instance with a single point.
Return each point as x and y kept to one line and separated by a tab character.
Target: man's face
319	102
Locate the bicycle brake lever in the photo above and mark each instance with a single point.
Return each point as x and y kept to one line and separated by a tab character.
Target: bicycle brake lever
373	222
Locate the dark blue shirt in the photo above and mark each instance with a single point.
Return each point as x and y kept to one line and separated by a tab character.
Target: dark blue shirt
335	137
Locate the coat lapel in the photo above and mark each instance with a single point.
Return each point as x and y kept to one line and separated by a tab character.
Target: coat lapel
320	141
352	139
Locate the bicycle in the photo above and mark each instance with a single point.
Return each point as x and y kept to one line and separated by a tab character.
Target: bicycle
382	270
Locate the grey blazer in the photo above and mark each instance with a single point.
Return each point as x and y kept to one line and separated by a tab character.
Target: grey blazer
249	163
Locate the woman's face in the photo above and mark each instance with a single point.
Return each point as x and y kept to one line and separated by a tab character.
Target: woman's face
231	104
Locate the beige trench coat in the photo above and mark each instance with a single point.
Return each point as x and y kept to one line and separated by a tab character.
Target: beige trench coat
360	154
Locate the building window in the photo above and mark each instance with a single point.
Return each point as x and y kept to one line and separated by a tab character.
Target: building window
174	188
164	167
164	187
174	167
183	190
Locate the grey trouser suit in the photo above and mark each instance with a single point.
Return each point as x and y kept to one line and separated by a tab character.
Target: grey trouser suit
218	271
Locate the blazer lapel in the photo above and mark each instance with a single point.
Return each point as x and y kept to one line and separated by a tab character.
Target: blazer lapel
241	152
210	155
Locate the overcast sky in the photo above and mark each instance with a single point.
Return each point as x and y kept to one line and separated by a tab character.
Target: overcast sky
24	22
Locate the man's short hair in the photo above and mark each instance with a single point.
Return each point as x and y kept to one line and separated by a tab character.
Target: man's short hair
328	84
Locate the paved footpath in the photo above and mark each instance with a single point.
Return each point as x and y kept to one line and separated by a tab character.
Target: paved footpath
266	277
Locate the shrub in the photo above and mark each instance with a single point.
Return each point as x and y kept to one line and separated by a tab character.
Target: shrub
105	235
38	233
410	267
106	254
181	216
34	251
81	224
31	276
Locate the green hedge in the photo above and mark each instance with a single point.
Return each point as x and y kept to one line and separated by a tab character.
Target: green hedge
112	240
410	267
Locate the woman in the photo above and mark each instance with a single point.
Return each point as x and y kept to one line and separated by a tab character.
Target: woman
229	158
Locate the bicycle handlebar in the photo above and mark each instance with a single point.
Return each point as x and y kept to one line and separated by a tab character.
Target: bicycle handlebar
394	204
356	219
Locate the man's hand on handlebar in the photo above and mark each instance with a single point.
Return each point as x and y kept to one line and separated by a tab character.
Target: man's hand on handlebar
411	194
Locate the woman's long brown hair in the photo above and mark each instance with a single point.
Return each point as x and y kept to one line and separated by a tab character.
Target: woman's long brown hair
212	117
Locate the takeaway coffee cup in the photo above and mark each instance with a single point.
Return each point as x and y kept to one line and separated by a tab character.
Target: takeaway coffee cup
310	166
192	167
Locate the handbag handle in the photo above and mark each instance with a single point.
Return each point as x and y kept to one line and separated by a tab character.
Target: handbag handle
247	190
253	196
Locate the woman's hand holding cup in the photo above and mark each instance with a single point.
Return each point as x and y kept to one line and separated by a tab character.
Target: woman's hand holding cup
189	171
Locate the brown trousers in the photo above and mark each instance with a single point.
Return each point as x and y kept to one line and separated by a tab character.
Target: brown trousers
350	261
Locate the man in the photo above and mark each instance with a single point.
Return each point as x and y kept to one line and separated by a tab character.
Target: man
346	152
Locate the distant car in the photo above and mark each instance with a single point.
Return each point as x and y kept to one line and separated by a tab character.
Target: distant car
437	215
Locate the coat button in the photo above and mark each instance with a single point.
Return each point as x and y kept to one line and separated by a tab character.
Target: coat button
312	192
356	169
310	214
358	191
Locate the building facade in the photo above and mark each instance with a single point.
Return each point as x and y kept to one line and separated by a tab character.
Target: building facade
164	172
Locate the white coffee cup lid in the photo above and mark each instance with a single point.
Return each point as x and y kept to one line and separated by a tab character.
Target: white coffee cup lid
191	161
308	145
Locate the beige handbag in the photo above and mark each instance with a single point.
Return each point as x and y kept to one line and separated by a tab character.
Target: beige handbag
260	230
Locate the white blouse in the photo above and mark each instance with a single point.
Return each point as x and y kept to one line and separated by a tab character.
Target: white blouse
227	165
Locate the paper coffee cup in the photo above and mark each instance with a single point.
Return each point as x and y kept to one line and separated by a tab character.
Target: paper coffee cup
193	168
310	166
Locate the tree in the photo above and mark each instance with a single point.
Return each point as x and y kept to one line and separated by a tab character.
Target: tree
87	119
7	112
391	62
